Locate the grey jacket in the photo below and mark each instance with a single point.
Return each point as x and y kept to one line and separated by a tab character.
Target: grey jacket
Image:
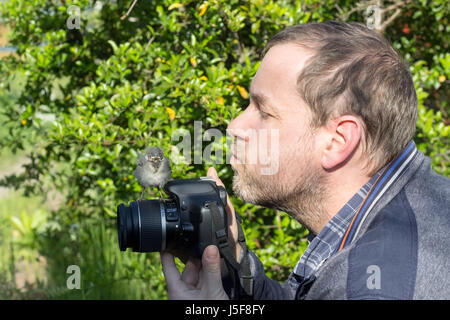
402	250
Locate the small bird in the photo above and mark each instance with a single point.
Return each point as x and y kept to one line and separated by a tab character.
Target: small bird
153	169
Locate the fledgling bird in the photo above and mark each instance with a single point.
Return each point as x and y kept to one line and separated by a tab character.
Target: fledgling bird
153	169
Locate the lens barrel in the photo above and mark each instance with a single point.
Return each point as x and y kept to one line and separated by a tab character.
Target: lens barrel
141	226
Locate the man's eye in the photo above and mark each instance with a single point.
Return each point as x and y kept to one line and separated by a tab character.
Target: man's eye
263	114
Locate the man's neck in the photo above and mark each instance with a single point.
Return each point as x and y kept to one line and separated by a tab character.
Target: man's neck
339	193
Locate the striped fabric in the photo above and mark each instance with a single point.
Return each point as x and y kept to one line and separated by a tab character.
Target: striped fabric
344	226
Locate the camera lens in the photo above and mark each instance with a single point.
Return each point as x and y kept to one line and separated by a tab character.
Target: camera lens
141	226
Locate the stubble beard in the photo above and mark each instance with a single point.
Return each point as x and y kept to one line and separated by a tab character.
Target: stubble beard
301	193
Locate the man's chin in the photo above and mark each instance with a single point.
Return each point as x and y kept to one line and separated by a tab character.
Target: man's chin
237	185
235	162
237	167
242	186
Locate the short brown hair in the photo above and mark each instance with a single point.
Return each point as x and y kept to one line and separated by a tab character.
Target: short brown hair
354	70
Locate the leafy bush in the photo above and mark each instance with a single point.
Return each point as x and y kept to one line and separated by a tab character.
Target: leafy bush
90	99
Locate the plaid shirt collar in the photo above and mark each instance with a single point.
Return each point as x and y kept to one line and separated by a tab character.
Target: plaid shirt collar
326	243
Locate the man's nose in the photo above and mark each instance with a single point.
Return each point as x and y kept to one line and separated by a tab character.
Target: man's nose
242	123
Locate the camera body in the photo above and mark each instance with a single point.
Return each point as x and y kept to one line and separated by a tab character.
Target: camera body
183	222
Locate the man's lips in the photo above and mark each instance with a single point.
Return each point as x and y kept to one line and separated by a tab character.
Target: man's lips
235	159
238	149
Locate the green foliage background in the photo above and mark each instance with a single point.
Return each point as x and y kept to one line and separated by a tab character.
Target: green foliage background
87	101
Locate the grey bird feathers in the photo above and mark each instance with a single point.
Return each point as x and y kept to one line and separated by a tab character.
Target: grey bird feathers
153	169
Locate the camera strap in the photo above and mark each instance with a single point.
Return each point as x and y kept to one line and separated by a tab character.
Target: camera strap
240	273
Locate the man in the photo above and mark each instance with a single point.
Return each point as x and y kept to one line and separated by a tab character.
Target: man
344	107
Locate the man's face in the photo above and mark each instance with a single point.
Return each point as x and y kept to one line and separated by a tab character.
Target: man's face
276	110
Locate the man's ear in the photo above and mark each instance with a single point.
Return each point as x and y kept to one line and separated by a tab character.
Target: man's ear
342	137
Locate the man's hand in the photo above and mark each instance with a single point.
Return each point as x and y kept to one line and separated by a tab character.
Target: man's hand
201	279
232	224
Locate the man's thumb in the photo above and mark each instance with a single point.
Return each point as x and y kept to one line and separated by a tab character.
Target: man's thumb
211	261
212	279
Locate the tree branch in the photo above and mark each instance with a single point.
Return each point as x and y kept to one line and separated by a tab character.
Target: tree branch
397	5
129	10
389	21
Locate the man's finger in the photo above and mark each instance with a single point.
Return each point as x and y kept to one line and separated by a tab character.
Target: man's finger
190	274
213	173
232	223
171	273
211	278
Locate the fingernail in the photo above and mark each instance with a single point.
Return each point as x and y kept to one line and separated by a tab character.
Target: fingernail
212	252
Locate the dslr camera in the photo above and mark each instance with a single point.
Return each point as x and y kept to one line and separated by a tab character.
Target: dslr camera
192	218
